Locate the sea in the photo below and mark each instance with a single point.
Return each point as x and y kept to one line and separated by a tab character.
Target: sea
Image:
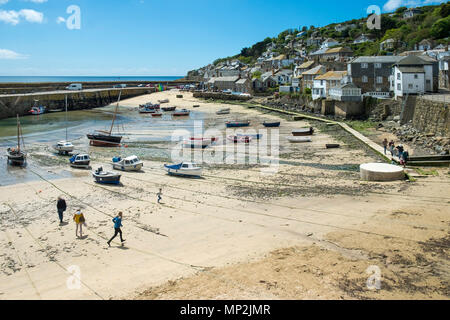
74	79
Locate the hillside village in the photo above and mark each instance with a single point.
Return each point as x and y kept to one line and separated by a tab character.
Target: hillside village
343	62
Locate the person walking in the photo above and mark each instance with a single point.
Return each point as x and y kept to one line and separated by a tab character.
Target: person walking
405	158
117	228
159	194
79	221
62	207
385	145
392	147
400	151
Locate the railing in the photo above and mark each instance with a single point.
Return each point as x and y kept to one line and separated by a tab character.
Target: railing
378	94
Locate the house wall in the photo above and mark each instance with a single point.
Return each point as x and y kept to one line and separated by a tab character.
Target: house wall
348	109
418	85
357	73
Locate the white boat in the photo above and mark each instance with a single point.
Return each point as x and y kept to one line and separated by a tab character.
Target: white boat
64	147
81	161
194	142
163	101
223	111
186	169
127	164
299	139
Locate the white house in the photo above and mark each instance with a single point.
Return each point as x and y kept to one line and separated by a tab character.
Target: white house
412	75
363	39
329	43
323	83
346	92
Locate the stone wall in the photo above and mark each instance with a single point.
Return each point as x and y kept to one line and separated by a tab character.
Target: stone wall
220	96
11	105
431	117
348	109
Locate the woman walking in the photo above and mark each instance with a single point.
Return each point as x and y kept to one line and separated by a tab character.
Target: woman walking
117	225
79	221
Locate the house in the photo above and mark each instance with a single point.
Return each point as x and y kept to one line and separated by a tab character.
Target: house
411	13
309	76
243	85
372	74
412	75
314	41
425	45
346	92
318	54
363	39
337	54
284	76
305	66
267	80
390	45
323	83
443	72
329	43
224	83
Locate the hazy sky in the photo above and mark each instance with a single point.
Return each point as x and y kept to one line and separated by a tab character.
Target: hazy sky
148	37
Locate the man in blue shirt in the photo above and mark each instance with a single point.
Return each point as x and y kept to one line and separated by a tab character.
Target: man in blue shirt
117	225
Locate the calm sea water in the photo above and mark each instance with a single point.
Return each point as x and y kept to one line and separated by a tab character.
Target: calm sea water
34	79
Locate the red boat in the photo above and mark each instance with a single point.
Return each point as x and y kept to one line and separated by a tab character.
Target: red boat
212	139
182	113
156	115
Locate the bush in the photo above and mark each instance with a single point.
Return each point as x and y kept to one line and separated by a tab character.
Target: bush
441	28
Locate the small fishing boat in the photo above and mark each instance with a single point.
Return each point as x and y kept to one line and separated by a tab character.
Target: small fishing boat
127	164
303	132
272	124
299	139
223	111
182	113
186	169
257	136
156	115
196	106
169	109
145	110
198	142
240	139
106	177
237	124
16	156
37	110
163	101
81	161
333	146
64	147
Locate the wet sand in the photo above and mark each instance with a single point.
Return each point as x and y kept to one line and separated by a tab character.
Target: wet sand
309	231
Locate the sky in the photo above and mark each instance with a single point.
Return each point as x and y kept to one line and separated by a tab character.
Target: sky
152	37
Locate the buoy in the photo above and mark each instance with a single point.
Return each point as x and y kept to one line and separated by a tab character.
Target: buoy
381	172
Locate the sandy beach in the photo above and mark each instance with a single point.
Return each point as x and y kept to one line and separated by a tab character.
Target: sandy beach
310	230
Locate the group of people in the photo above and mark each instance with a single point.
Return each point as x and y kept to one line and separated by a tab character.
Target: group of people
398	151
80	220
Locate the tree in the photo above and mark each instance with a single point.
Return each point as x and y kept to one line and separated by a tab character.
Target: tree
441	28
445	10
401	10
257	74
304	29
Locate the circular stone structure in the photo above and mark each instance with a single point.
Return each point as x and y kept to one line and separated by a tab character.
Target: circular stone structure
381	172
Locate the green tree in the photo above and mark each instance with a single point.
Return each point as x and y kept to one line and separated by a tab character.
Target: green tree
441	28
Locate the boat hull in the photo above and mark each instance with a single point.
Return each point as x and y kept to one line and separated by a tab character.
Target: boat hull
169	109
302	132
129	168
299	139
104	141
238	125
16	159
105	179
272	125
185	173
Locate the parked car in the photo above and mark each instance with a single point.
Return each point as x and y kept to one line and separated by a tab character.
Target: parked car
75	86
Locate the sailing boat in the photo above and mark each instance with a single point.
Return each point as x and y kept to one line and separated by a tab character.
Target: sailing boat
105	138
64	147
16	156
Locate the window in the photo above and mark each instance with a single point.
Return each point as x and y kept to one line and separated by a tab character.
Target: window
399	76
378	65
399	86
365	79
428	81
364	65
410	86
416	76
379	79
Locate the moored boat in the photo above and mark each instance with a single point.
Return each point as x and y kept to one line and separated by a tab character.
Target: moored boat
237	124
80	161
156	115
257	136
240	139
299	139
37	110
144	110
163	101
64	147
181	113
186	169
223	111
131	163
194	142
169	109
333	146
271	124
303	132
16	156
106	177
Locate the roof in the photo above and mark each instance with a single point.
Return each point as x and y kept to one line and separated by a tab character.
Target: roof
242	81
224	79
339	49
349	85
320	51
412	69
377	59
413	61
306	65
313	71
332	75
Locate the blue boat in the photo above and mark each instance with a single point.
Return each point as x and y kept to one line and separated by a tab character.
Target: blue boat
105	177
272	124
238	124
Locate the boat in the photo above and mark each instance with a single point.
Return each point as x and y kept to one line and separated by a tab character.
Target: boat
240	139
257	136
333	146
127	164
303	132
16	156
271	124
198	142
81	161
299	139
105	138
163	101
238	124
196	106
182	113
169	109
106	177
156	114
144	109
223	111
37	110
186	169
65	146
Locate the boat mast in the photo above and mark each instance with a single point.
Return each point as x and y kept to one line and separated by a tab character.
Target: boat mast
18	133
66	116
115	112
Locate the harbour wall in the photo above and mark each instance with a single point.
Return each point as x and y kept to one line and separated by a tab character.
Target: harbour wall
220	96
11	105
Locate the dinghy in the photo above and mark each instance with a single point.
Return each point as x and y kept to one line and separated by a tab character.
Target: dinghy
16	156
223	111
169	109
198	142
80	161
184	169
272	124
240	139
37	110
105	177
127	164
303	132
163	101
182	113
157	115
333	146
237	124
299	139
